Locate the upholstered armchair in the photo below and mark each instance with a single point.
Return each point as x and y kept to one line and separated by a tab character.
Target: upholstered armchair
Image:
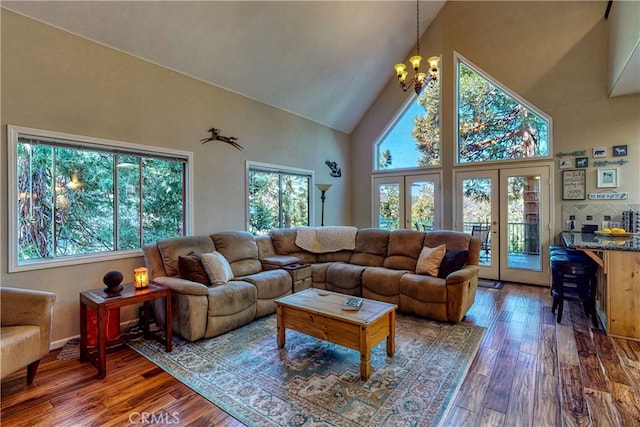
25	333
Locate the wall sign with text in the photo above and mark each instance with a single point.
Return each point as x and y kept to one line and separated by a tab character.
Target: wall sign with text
573	185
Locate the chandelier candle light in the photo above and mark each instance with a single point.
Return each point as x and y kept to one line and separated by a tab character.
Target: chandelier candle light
323	188
419	78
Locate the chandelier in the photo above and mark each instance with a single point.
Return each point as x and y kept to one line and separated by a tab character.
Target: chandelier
419	79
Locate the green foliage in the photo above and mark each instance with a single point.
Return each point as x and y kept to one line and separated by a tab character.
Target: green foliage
426	131
277	200
476	200
389	206
423	206
67	200
385	160
492	125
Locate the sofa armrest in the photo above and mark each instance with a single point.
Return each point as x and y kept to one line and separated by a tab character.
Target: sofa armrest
28	307
462	275
182	286
278	261
461	291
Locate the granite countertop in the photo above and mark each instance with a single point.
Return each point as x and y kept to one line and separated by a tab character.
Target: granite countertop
578	240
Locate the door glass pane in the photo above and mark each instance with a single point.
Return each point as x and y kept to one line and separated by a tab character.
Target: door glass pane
524	222
476	213
389	213
423	205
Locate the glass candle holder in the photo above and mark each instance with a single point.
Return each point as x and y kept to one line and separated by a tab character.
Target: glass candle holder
141	277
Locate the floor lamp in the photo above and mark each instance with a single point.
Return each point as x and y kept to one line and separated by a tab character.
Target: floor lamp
323	188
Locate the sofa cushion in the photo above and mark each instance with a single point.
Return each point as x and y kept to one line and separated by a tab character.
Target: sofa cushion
190	268
182	286
171	249
430	259
231	298
340	256
424	288
403	249
319	273
345	278
217	267
452	261
240	249
371	247
382	284
270	283
455	240
284	243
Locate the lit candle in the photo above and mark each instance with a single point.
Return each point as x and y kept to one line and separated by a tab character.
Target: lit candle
141	277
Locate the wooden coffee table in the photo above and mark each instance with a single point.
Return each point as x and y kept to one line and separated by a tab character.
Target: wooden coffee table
322	316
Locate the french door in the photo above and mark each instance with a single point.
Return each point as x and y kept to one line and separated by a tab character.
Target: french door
407	201
513	204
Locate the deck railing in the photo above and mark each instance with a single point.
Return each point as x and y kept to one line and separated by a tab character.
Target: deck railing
523	236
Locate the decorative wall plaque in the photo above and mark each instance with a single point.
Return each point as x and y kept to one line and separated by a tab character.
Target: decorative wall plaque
573	185
609	196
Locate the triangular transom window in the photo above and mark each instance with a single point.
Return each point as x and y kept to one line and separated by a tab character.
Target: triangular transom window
494	123
413	139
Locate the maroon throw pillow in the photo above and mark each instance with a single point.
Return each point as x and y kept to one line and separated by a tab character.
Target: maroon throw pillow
452	261
190	268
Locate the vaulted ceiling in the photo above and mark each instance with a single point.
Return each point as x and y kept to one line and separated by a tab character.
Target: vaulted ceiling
323	60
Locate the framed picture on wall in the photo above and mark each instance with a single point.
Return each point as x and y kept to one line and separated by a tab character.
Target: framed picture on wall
599	152
619	150
573	185
607	177
582	162
565	163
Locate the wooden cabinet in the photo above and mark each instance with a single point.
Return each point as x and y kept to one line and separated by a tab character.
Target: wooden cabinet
618	293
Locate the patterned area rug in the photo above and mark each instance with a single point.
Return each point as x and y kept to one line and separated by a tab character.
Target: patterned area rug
312	382
71	350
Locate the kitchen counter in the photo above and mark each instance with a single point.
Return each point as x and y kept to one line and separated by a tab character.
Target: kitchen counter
618	286
577	240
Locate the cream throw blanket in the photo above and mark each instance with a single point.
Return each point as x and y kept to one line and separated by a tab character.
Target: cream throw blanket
326	239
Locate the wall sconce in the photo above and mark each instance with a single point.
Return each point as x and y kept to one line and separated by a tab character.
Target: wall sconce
141	277
323	188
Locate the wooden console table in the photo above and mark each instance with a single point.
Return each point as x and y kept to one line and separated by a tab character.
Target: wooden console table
103	302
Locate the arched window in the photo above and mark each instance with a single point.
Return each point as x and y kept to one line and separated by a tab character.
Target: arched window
413	138
494	123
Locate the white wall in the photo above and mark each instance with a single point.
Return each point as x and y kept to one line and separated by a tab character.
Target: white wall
56	81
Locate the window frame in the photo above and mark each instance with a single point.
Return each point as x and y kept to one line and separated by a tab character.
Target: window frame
457	57
249	165
15	132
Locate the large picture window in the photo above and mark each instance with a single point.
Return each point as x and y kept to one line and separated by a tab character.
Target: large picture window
75	198
494	123
278	197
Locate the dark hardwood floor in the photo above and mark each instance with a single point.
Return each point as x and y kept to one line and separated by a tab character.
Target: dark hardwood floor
529	371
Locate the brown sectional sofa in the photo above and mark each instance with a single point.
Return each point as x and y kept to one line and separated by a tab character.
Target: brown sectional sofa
381	266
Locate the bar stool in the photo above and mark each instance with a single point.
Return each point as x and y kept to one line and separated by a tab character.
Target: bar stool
573	276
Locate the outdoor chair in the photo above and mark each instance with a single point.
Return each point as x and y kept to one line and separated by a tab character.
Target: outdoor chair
482	232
